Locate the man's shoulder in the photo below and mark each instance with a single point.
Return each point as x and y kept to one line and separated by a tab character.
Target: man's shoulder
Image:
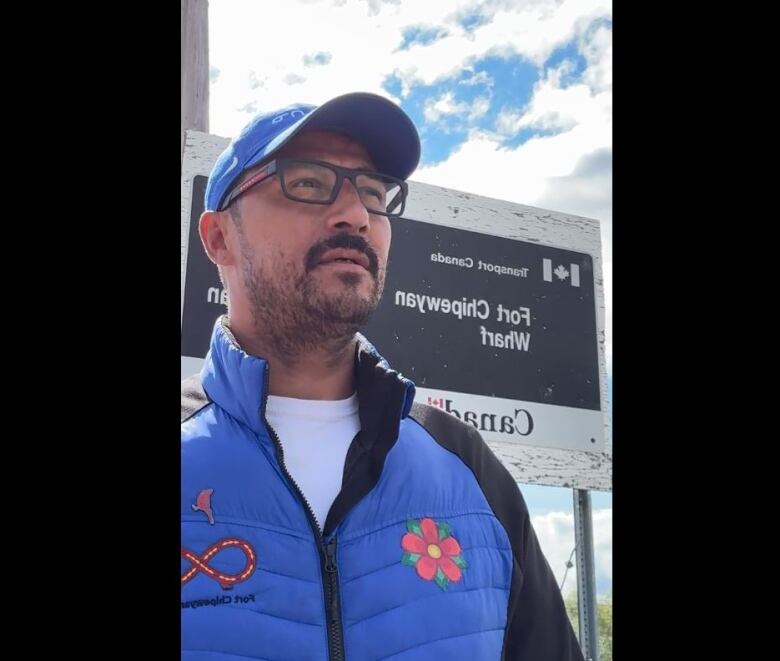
193	396
441	424
464	440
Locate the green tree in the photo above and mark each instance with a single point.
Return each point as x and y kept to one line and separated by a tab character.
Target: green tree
604	614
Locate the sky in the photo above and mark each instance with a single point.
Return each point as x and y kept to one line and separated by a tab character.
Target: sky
512	98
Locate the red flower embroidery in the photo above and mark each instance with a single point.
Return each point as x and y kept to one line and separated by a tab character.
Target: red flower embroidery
433	552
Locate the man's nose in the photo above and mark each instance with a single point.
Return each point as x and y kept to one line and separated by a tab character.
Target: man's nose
348	213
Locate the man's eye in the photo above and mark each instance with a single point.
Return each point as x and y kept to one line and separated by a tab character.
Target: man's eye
373	192
308	183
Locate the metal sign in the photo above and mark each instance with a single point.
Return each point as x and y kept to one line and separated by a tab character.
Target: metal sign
501	333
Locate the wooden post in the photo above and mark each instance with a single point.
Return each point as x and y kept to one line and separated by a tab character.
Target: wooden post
194	67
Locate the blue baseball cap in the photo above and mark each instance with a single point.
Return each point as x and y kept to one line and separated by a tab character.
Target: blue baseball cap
377	123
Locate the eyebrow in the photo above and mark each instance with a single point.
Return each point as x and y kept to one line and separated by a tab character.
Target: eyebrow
365	162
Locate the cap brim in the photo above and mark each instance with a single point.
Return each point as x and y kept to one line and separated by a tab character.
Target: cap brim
385	130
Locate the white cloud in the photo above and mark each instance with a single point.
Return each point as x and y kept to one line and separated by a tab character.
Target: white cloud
552	108
375	6
530	30
597	50
555	531
316	59
445	105
521	174
294	79
556	537
479	108
254	81
363	38
479	78
435	109
508	122
361	49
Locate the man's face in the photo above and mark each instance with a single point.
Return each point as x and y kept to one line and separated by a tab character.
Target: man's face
310	268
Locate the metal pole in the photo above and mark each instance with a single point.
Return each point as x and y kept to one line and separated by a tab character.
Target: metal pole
586	575
194	66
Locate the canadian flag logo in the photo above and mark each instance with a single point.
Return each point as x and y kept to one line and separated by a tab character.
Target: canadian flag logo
436	401
561	272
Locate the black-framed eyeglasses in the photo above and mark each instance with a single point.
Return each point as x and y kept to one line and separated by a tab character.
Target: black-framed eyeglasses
318	182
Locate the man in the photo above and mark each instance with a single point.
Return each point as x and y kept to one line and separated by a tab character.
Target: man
324	515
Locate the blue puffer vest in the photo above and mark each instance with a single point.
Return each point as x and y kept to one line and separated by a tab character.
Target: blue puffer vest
412	563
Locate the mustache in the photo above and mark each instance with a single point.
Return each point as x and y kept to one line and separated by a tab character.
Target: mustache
347	241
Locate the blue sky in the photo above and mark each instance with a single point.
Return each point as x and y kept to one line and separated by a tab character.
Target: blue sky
513	100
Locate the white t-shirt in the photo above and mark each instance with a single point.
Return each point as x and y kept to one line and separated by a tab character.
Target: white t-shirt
315	436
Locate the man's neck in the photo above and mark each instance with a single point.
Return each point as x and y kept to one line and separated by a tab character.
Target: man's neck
324	372
319	375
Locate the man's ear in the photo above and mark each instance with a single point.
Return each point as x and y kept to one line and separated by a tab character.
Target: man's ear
214	228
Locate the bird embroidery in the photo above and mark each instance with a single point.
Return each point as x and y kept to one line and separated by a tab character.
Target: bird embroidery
203	503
